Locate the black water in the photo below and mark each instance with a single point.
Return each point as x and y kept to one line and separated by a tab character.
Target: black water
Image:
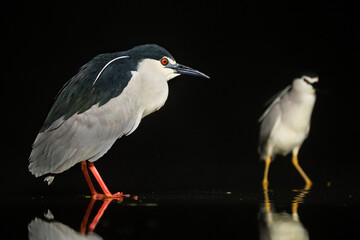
324	212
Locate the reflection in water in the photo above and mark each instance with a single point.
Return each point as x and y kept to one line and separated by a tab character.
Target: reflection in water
282	225
51	229
42	229
91	227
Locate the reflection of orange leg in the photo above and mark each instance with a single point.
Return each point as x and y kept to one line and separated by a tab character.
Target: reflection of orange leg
294	207
102	184
97	217
267	200
265	181
99	214
86	216
299	198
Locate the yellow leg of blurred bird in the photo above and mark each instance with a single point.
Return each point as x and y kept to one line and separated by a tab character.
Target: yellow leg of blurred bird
265	181
295	161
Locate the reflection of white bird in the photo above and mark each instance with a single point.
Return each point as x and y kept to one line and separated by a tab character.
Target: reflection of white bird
41	229
286	123
281	226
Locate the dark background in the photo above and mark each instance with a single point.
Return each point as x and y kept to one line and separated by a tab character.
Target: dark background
205	137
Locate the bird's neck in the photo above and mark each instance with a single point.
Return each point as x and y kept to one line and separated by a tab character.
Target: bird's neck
153	89
300	112
305	99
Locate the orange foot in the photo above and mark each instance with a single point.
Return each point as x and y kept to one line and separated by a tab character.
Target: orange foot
118	196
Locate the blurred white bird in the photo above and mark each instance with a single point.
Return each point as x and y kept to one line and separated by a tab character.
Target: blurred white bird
286	123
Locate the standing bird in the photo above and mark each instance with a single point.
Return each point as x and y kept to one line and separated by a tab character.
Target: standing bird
286	123
105	100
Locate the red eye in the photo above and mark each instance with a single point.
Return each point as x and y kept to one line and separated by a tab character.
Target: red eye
164	61
305	80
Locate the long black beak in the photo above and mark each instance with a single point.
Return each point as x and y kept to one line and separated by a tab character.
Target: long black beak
315	85
181	69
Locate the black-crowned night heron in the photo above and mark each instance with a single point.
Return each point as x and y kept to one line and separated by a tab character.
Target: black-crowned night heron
286	123
105	100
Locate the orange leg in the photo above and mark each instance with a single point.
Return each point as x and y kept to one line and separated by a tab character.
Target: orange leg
265	182
102	184
107	193
89	182
302	173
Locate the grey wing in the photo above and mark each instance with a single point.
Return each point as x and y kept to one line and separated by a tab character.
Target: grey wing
85	136
98	81
269	120
268	123
273	101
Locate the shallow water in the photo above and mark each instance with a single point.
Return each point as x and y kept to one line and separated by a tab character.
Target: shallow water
318	213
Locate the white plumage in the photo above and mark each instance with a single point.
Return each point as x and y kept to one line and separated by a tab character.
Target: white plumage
286	123
105	100
90	135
